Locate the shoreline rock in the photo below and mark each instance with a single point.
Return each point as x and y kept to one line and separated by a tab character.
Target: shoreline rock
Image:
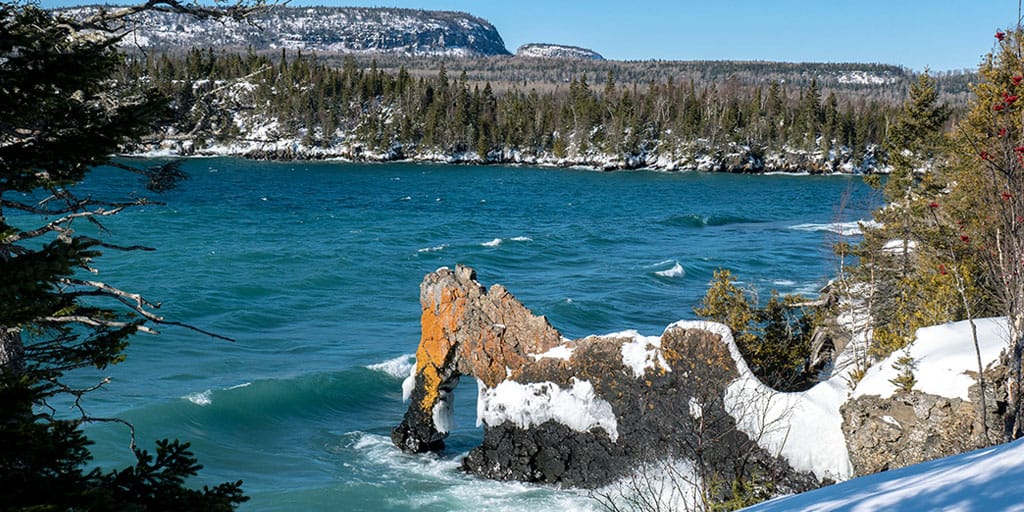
577	413
737	161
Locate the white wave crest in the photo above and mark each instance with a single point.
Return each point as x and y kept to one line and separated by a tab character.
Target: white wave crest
380	461
521	239
839	228
202	398
397	367
493	243
433	249
675	271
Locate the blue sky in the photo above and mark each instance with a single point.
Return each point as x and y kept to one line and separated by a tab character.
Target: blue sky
938	34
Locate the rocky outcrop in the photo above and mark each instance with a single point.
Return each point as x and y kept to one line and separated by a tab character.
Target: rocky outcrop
574	412
556	51
913	427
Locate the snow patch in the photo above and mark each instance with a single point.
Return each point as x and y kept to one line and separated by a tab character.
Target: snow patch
810	419
442	412
641	354
987	479
944	354
535	403
562	352
896	246
409	384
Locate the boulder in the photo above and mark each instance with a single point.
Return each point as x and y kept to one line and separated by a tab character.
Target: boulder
913	427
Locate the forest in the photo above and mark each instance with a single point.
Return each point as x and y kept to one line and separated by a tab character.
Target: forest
376	109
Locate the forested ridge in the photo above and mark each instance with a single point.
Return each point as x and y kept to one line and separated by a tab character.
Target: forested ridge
383	111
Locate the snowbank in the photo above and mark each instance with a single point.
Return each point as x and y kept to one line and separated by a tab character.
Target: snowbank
982	480
803	427
944	354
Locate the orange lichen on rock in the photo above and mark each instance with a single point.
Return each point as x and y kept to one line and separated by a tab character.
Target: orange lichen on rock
438	322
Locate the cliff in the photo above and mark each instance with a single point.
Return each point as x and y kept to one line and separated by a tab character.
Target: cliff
321	29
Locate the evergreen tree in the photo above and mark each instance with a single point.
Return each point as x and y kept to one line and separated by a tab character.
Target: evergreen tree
903	274
774	340
60	116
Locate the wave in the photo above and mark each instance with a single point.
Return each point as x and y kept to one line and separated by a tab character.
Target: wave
840	228
380	462
675	271
700	221
398	367
493	243
305	394
521	239
433	249
202	398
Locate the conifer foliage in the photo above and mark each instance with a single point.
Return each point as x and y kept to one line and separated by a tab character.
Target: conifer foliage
950	245
61	114
372	109
774	339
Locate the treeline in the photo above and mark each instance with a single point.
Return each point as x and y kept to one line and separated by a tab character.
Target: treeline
873	82
221	96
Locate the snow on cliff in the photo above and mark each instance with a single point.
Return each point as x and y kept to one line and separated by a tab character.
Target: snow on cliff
331	29
556	51
944	355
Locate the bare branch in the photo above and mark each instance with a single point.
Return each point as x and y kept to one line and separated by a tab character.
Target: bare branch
57	225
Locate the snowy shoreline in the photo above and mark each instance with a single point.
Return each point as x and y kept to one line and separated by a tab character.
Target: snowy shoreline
740	160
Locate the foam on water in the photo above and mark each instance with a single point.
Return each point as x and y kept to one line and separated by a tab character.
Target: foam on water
450	488
398	367
675	271
493	243
202	398
433	249
840	228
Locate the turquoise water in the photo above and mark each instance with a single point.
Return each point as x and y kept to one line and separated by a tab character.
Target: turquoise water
314	270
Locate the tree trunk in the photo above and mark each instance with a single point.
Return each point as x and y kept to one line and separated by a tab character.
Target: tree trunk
1016	419
12	351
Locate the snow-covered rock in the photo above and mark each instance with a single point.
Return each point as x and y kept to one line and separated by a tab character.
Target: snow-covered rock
556	51
323	29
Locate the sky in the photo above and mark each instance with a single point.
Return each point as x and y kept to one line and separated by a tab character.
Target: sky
939	35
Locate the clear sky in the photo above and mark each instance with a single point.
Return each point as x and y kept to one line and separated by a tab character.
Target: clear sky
938	34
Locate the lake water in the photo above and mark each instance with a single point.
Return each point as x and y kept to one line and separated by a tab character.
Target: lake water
314	268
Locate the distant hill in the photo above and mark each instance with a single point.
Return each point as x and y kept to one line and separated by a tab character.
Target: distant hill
556	51
420	40
324	29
